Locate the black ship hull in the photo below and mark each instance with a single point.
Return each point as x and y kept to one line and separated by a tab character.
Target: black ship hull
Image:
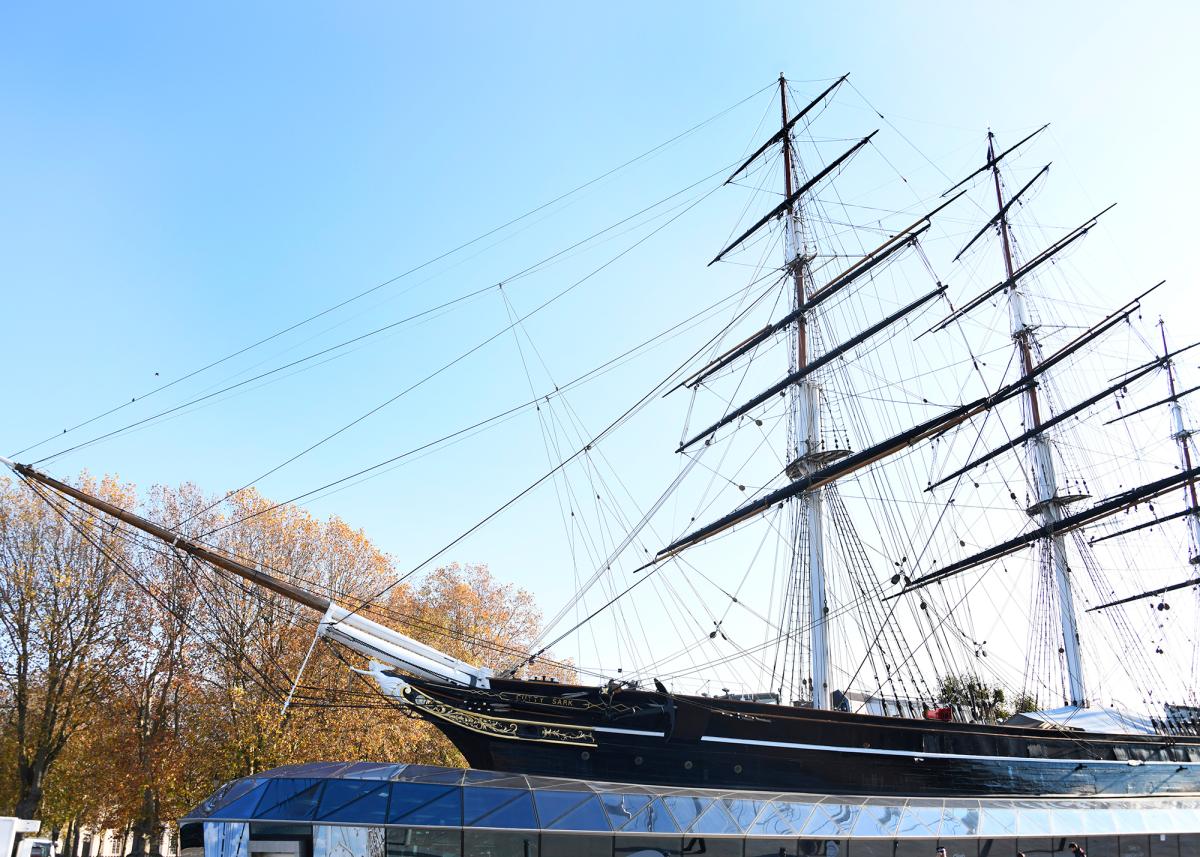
661	739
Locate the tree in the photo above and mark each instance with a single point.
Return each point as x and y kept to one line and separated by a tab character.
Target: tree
60	626
984	701
117	647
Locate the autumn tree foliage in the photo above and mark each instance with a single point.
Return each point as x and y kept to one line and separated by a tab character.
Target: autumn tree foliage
136	679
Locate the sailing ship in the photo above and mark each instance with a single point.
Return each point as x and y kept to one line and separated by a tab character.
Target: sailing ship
806	734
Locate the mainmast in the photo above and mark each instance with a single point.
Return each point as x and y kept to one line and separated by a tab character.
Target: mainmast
805	428
1047	506
1182	436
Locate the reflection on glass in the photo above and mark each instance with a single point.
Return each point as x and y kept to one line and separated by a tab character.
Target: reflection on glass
712	846
645	846
1098	821
1128	818
821	848
995	821
623	807
653	819
743	811
576	845
361	801
1159	820
716	819
1034	822
294	800
997	848
225	839
553	805
1066	822
244	805
346	841
771	848
686	809
795	814
422	804
423	842
588	815
228	794
876	820
832	819
772	823
488	807
921	819
499	843
960	821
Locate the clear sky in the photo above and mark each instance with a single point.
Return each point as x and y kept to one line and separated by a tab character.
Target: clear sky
178	181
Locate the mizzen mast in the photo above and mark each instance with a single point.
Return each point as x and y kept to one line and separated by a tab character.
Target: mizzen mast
805	427
1048	505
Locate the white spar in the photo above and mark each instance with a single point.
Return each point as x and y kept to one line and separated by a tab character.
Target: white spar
398	650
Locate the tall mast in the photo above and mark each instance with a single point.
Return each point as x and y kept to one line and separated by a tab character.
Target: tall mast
1182	436
806	429
1047	506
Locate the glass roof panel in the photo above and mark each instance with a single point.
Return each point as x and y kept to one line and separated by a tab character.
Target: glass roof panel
1034	822
362	801
494	807
1066	821
878	820
370	771
588	815
425	804
795	813
832	819
1098	820
293	800
1158	820
960	821
715	819
623	807
553	805
653	819
1128	818
686	809
226	794
921	818
504	781
561	785
242	806
743	811
307	770
430	774
771	822
998	821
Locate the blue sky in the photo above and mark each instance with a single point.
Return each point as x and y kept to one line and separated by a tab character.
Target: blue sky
179	181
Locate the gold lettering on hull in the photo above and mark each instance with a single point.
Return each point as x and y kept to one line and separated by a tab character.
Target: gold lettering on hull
498	727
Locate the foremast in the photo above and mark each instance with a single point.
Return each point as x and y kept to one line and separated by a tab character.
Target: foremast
1048	505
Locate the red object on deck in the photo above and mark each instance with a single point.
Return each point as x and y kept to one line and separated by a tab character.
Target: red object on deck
944	714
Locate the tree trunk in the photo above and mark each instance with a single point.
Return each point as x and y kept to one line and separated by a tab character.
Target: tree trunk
66	845
147	828
29	791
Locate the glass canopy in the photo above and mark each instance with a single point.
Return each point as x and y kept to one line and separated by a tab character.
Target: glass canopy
371	794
